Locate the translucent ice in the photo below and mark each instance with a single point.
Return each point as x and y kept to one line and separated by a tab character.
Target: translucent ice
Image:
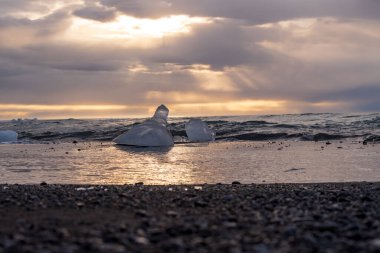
161	115
197	130
151	133
8	136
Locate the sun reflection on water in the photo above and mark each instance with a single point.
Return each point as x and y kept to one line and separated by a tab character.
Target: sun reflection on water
225	162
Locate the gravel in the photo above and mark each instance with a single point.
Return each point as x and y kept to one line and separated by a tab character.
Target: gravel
334	217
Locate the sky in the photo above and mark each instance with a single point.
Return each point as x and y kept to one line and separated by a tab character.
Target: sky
123	58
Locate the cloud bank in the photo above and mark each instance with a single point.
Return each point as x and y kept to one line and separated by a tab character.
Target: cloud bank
251	56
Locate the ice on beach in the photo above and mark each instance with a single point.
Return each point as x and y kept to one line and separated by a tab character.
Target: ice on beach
148	134
197	130
161	115
8	136
151	133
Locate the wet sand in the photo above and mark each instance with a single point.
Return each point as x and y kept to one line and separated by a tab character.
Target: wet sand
332	217
218	162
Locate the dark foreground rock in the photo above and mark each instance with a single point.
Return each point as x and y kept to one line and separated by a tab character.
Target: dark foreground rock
208	218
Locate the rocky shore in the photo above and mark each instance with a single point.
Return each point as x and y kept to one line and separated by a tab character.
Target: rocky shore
334	217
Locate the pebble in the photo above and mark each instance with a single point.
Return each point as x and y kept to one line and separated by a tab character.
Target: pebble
141	240
376	243
219	218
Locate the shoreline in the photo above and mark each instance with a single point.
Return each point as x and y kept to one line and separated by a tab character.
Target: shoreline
219	162
299	217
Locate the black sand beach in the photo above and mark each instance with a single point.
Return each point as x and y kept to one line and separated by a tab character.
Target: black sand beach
336	217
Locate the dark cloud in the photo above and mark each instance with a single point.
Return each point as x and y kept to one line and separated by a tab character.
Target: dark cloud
257	12
220	45
66	56
362	98
97	13
368	93
149	9
10	6
18	31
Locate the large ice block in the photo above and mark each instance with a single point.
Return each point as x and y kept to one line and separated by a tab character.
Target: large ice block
151	133
197	130
8	136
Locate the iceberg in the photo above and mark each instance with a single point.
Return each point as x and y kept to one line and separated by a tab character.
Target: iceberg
150	133
8	136
197	130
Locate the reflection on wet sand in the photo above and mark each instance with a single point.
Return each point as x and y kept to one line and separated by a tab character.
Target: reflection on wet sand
144	150
192	163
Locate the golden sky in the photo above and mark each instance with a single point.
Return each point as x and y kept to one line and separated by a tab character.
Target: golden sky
115	58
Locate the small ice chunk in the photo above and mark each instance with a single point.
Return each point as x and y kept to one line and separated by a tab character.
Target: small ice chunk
161	115
8	136
197	130
151	133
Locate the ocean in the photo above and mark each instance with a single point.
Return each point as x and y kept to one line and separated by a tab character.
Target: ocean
306	127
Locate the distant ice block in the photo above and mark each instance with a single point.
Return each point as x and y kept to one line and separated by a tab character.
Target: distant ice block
151	133
197	130
8	136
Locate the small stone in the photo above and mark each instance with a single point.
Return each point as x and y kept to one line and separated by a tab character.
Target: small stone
141	213
236	182
139	183
229	224
173	245
111	248
141	240
172	213
261	248
200	203
227	198
80	204
376	244
43	183
63	233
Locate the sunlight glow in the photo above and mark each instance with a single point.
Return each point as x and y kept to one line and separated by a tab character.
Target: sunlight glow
131	28
244	107
212	80
61	107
